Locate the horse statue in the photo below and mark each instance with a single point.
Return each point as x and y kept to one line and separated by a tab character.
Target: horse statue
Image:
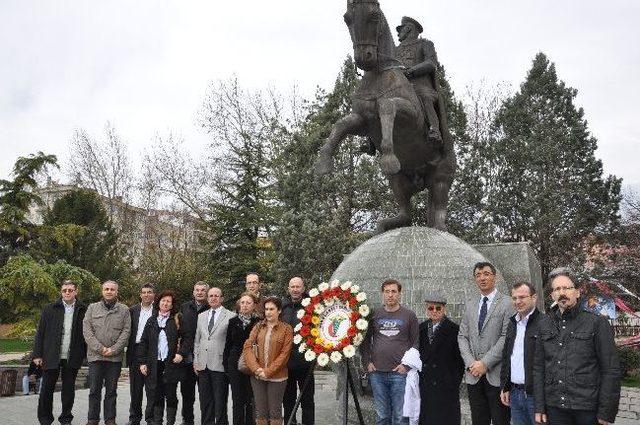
388	112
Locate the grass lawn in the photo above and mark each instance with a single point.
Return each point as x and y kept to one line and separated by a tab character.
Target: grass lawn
14	345
631	382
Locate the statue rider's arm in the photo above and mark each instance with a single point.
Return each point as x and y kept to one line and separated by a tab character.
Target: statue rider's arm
430	62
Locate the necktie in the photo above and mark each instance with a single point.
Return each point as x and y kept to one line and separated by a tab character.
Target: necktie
483	313
212	320
430	332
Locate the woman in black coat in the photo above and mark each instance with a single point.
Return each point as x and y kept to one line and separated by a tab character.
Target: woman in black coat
237	333
442	367
163	337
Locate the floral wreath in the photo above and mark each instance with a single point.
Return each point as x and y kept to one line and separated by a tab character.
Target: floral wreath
332	322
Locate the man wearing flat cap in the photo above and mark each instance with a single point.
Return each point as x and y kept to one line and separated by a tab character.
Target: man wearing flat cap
442	365
418	55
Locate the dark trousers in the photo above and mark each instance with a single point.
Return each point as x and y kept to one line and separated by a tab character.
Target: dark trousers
67	395
214	391
103	374
486	408
307	404
136	388
188	391
158	393
559	416
242	397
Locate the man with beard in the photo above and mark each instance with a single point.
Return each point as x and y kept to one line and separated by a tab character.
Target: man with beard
576	371
190	311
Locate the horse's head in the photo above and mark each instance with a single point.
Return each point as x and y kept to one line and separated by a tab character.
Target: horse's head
363	17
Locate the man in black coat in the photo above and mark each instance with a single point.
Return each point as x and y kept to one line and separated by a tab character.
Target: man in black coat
189	311
442	365
576	369
60	349
516	375
140	313
298	367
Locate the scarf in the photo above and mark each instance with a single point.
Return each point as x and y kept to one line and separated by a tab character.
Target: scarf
245	320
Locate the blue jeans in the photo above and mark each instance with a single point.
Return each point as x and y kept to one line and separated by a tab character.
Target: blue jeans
388	397
522	408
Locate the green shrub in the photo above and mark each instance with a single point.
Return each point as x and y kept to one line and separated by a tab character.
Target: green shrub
629	360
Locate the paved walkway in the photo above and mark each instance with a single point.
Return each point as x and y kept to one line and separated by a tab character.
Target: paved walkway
21	410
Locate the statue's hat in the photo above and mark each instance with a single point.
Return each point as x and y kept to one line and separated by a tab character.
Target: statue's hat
407	20
435	297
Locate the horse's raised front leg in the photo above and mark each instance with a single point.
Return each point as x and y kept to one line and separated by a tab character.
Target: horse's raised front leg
388	108
351	124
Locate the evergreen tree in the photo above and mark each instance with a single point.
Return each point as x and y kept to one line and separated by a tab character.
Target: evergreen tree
78	231
243	125
17	196
550	188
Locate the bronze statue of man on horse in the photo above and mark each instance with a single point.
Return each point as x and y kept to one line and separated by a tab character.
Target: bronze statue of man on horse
398	107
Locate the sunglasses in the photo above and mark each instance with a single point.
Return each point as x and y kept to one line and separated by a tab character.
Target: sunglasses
434	307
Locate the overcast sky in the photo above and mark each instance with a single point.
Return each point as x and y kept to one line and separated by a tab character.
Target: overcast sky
144	65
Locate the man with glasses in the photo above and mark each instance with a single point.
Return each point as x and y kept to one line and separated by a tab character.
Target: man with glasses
482	330
442	365
516	377
59	348
576	370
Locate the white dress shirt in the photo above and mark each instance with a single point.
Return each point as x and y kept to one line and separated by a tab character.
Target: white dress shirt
517	355
145	314
490	298
163	344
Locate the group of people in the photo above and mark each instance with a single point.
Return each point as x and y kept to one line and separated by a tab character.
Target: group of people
165	344
520	366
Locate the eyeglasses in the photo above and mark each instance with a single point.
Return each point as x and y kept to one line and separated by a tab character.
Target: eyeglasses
562	288
434	307
514	299
67	290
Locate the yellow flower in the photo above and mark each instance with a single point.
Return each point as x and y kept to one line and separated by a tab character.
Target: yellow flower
315	320
320	341
314	332
328	346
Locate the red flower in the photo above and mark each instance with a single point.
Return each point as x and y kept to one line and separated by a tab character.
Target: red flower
305	331
354	316
318	349
345	341
315	300
306	319
352	331
309	342
309	308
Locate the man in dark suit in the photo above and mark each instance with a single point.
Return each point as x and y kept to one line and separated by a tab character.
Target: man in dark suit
442	365
59	348
481	338
140	313
516	376
190	311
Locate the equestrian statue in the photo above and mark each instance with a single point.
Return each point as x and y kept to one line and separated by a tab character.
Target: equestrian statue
398	108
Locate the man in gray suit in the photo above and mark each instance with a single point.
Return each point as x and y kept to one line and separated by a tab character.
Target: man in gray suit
211	335
482	331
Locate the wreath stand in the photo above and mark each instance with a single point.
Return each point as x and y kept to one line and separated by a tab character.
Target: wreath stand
348	385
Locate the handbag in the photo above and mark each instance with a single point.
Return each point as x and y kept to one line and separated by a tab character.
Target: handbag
242	363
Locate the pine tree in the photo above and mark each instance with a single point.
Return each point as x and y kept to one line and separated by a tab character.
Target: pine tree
550	188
